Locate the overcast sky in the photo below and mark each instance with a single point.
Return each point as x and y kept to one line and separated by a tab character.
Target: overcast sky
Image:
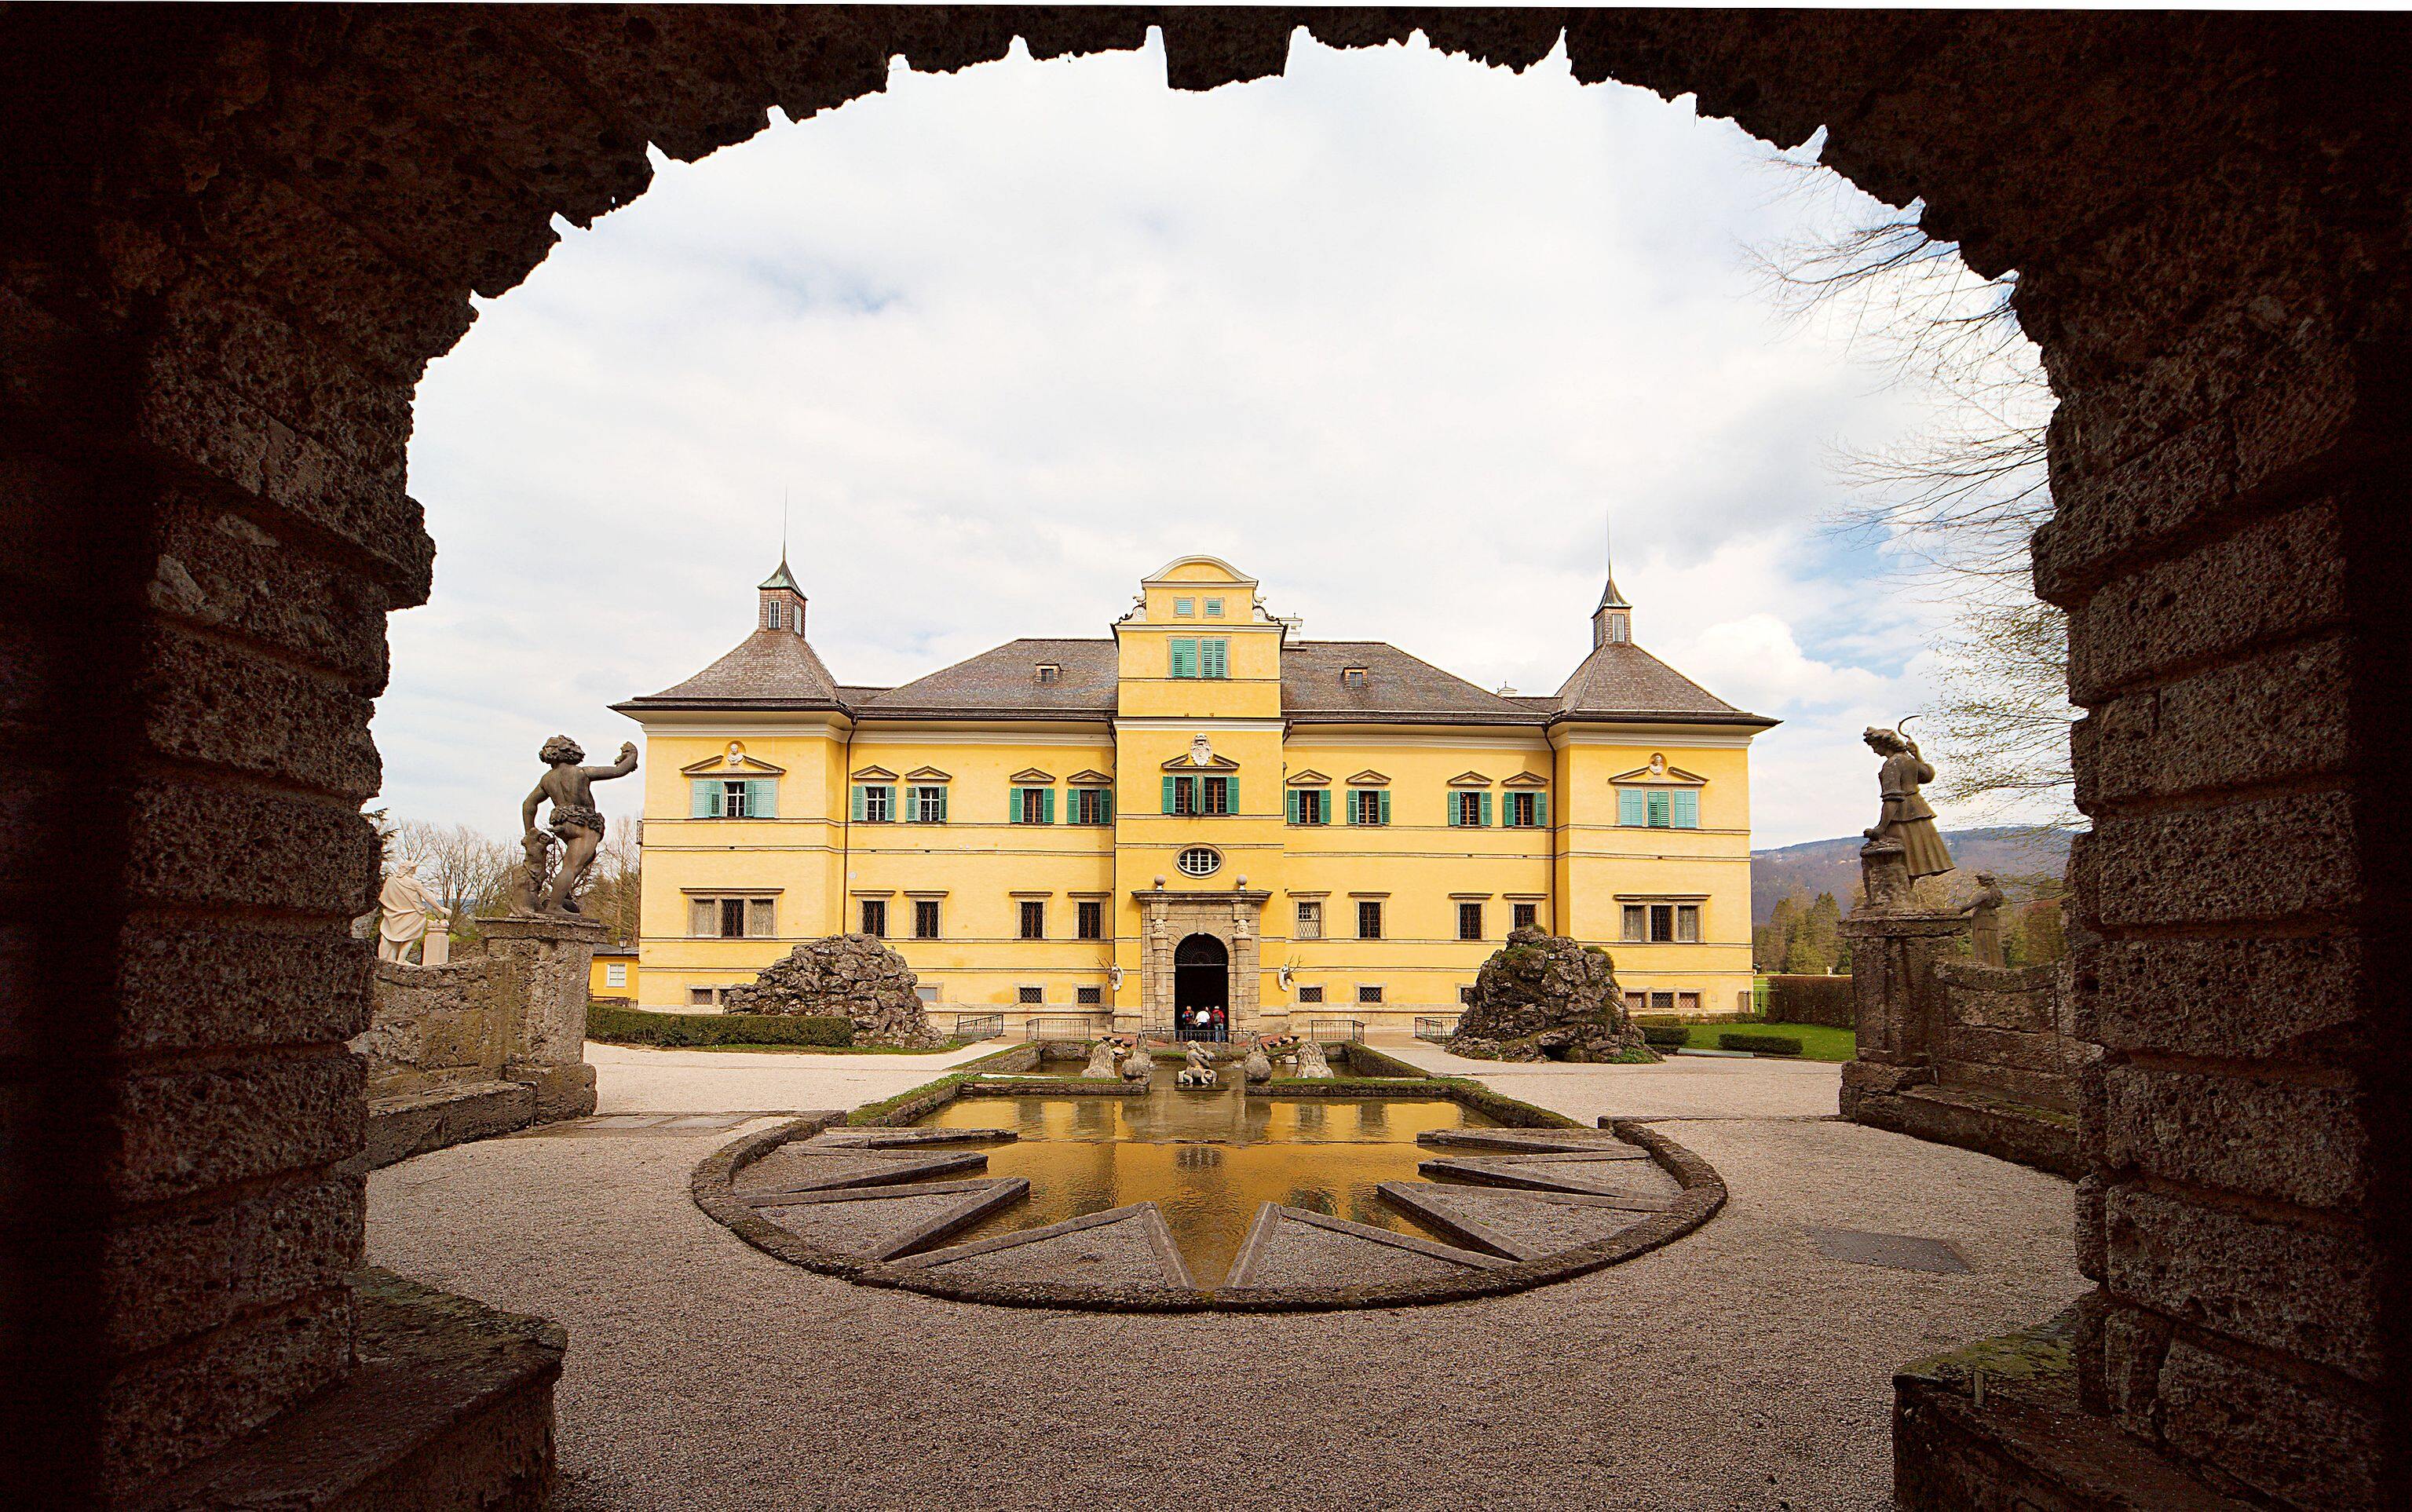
1394	333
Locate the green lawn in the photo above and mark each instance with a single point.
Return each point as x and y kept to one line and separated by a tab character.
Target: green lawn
1818	1043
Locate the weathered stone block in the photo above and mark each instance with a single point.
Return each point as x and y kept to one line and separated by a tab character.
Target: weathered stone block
2277	1436
2308	1145
199	843
2279	716
189	983
2090	1240
162	1411
2135	1342
182	1130
2307	1292
2256	859
2054	1090
2046	1053
168	1275
206	701
231	573
2292	997
415	1122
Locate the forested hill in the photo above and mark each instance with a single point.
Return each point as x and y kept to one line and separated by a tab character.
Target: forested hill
1834	865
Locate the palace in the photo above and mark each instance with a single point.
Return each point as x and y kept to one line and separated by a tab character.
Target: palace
1201	809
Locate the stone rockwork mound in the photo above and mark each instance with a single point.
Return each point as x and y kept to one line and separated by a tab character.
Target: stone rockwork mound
1545	997
853	975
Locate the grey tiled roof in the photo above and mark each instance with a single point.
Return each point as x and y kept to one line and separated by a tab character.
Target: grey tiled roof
778	669
1005	681
1621	679
769	670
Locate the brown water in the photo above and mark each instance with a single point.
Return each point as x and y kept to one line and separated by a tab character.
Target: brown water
1208	1159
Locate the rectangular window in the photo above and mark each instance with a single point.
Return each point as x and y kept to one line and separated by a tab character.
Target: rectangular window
1089	997
874	918
1213	609
927	994
1369	994
1687	808
1029	997
1637	921
1091	805
1632	807
1465	996
875	803
1523	810
733	798
1183	656
1662	923
1033	805
1091	916
615	975
1687	1002
1369	805
761	918
1369	919
926	805
1216	795
1468	809
1309	805
1661	810
1469	921
701	997
925	918
1310	919
1636	1002
1310	994
1214	658
1527	917
1180	794
1184	606
1688	923
1034	918
1662	1002
731	919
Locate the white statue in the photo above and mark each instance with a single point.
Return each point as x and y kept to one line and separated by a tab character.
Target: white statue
404	910
1199	1071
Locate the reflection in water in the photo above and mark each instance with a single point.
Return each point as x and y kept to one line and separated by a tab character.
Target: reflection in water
1208	1158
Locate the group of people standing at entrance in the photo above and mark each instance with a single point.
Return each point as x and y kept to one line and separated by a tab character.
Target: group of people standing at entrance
1201	1023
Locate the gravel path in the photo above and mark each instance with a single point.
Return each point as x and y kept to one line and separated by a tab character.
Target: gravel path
1736	1369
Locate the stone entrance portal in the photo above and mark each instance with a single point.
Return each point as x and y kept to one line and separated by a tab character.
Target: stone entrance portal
1201	979
1183	930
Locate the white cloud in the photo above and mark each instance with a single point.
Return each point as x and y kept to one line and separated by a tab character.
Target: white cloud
1390	333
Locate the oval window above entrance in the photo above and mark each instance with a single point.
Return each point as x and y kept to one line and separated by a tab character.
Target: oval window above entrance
1199	860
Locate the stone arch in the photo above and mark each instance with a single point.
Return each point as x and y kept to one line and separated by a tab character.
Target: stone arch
238	235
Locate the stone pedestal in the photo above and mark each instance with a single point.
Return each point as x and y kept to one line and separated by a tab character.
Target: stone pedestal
546	961
1895	996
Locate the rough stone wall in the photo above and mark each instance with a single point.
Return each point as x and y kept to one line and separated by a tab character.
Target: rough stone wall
237	236
432	1025
2009	1033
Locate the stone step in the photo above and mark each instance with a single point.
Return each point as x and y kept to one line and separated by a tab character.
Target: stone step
880	1222
1120	1250
416	1122
804	1167
1534	1141
1293	1248
1638	1183
1517	1224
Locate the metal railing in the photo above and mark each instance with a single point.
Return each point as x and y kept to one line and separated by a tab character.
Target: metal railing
1065	1028
1436	1028
1326	1031
979	1027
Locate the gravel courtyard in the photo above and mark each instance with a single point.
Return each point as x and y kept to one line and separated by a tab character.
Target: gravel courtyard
1739	1368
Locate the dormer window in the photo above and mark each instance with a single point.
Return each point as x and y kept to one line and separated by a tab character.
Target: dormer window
1352	677
1184	606
1213	609
1050	672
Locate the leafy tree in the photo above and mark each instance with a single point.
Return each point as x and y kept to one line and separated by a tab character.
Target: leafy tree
2042	933
612	888
1803	958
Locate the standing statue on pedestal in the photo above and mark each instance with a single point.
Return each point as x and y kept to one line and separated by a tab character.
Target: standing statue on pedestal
1984	913
405	911
575	819
1906	820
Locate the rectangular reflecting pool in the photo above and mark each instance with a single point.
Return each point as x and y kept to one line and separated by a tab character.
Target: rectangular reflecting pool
1209	1159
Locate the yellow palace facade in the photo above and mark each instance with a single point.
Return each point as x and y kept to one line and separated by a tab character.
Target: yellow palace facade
1200	811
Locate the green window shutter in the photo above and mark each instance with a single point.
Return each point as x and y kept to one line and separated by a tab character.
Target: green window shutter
704	799
1632	806
1013	806
762	798
858	802
1688	808
1290	805
1104	806
942	804
1168	795
1185	658
1456	808
1214	658
1323	805
1386	805
1486	810
1659	809
1349	814
1541	811
1047	807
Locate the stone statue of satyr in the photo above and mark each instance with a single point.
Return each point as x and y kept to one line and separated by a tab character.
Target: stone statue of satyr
1199	1071
1905	821
1984	913
1137	1065
404	910
1101	1059
1312	1066
575	819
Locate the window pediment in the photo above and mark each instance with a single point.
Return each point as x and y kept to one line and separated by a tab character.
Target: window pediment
1369	778
1030	774
1469	779
1662	775
1213	763
1526	779
874	774
927	774
1090	777
1309	778
734	765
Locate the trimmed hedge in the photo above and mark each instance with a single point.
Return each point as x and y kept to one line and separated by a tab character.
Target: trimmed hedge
635	1026
1760	1044
1824	1001
1666	1036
